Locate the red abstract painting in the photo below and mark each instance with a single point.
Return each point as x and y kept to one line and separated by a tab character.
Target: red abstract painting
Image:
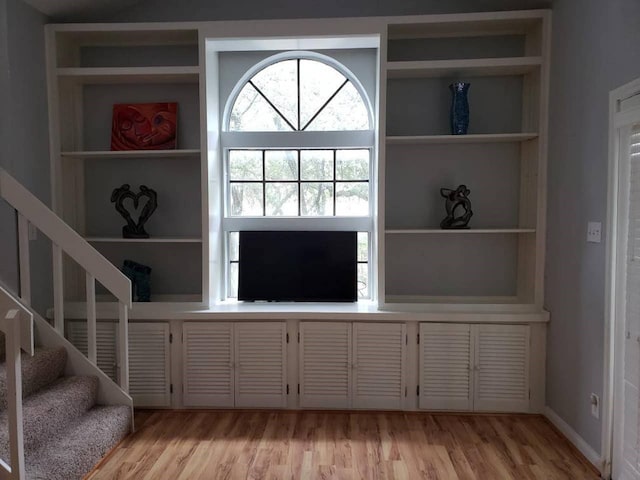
144	126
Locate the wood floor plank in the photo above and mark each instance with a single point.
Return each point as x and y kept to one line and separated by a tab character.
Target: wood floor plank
289	445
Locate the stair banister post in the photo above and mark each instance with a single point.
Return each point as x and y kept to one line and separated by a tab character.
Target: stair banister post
58	290
14	394
92	348
123	352
24	259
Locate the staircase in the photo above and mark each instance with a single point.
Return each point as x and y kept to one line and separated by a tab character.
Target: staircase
59	413
65	432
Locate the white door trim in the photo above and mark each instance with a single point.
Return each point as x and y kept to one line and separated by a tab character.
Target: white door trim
619	118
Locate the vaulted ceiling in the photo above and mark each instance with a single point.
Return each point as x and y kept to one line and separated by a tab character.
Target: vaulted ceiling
80	8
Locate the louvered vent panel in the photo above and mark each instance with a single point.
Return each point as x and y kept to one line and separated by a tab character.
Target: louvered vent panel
378	365
149	378
325	370
502	359
445	364
207	358
260	364
106	338
76	333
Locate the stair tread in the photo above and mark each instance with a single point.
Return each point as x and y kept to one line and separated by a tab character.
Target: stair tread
38	371
52	409
74	451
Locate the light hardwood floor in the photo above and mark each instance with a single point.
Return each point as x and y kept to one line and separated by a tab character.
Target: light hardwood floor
284	445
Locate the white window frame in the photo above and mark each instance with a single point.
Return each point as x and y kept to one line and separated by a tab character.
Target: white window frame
300	140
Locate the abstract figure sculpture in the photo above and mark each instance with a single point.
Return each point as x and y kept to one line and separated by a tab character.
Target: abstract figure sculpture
455	200
133	229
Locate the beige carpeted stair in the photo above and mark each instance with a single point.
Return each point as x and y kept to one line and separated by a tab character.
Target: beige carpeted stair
65	432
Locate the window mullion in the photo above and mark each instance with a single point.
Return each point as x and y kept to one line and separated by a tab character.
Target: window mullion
299	174
298	91
264	184
335	185
325	104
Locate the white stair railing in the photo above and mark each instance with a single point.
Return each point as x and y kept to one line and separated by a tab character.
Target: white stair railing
64	239
16	322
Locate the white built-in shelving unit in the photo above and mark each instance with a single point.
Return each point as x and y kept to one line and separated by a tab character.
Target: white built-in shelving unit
499	259
92	67
477	290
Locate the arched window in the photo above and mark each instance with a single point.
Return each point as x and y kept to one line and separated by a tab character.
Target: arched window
298	140
299	94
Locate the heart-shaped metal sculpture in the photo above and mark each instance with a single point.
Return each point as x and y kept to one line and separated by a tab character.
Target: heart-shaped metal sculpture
134	229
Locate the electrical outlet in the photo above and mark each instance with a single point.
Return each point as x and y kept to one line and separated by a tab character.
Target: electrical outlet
594	232
595	405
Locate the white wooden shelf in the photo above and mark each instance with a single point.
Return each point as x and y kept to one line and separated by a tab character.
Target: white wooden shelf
459	139
456	231
368	311
195	153
144	240
105	75
476	67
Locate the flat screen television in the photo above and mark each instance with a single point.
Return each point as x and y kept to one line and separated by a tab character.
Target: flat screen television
297	266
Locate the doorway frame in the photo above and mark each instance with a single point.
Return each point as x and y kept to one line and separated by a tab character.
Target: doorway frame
621	116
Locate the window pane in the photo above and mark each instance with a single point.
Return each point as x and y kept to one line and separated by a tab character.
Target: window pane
317	199
363	246
234	246
352	199
281	164
245	165
282	199
252	113
246	199
346	111
316	165
232	287
363	280
352	165
317	83
279	83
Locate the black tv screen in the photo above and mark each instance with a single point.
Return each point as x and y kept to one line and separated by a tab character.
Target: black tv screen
297	266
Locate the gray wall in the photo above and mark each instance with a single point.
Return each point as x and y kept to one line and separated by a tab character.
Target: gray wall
595	49
8	265
24	139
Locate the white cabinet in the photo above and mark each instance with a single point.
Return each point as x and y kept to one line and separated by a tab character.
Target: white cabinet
474	367
359	365
325	364
207	360
149	358
501	380
260	364
445	367
241	364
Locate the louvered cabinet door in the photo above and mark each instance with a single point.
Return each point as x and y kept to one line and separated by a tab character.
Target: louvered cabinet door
76	332
260	364
378	365
207	364
325	364
501	368
149	364
446	353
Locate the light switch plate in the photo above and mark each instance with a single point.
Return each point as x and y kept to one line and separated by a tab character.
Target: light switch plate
594	232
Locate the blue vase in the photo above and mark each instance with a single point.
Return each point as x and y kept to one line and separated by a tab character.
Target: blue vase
459	108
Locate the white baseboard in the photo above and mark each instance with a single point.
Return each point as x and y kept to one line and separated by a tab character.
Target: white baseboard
584	448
